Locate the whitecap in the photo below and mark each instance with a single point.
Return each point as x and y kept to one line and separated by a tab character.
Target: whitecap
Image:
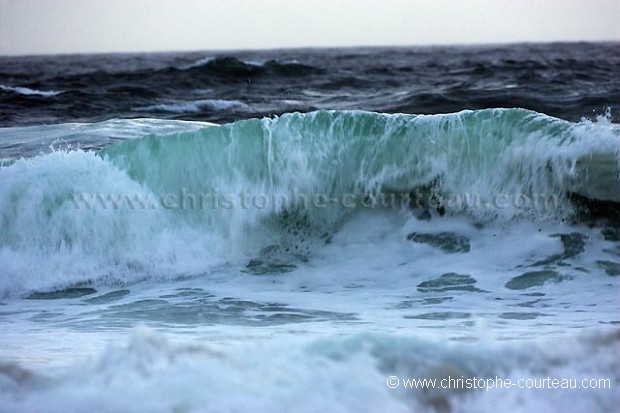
28	92
195	106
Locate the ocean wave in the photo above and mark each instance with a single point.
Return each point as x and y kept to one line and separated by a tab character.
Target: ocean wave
198	63
361	373
211	60
71	209
195	106
232	66
29	92
490	152
28	141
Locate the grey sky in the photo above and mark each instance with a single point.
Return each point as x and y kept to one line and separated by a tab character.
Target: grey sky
76	26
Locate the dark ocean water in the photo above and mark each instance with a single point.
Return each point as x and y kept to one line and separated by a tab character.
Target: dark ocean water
565	80
310	230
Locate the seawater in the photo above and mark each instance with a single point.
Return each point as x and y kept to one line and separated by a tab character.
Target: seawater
119	289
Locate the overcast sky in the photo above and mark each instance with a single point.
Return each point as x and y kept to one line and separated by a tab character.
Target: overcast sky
79	26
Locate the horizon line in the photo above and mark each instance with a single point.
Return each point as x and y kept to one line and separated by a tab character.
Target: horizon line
300	48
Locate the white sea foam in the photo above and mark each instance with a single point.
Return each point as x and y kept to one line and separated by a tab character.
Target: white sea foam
87	243
195	106
210	59
199	62
336	374
27	91
28	141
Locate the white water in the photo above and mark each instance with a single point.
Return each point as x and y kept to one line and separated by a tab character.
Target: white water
195	106
27	91
525	299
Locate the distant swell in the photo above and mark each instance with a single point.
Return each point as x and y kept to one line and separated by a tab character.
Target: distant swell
555	79
233	67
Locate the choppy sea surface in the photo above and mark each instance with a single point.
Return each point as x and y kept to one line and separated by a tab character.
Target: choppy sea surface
311	230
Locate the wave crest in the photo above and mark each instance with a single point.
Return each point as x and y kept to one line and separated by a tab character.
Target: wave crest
26	91
232	67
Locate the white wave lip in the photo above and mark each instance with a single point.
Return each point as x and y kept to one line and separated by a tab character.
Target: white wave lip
198	63
195	106
28	141
29	92
210	59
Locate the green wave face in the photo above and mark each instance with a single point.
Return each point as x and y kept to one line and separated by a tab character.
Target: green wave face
483	153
